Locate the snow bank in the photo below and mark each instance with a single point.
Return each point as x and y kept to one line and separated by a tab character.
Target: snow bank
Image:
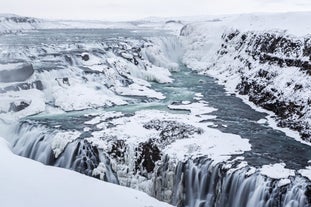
216	145
277	171
11	23
39	185
62	139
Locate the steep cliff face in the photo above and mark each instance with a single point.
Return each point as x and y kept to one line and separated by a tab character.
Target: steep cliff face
272	67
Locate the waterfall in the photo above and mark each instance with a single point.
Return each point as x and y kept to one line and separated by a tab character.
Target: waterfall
35	142
198	182
203	183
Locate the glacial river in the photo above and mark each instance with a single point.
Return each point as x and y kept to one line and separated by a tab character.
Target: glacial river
269	145
233	115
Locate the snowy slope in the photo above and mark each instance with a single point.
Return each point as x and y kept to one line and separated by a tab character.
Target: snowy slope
27	183
264	56
10	23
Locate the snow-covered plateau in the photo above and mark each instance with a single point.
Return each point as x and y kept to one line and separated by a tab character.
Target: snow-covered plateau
161	106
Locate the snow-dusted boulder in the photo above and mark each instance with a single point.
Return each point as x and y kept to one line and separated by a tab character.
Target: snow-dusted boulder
17	72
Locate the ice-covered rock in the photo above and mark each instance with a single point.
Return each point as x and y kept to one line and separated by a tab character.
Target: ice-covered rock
16	72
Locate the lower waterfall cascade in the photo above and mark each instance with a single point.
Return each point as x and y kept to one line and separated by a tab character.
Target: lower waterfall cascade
192	183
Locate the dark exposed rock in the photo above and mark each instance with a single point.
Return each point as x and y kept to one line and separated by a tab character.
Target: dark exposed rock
85	57
172	130
21	19
117	150
135	61
173	21
14	107
268	100
186	30
23	86
86	158
148	154
277	50
18	74
232	35
62	81
308	193
68	60
66	81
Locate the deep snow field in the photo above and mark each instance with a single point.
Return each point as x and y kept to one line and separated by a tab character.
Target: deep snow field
209	111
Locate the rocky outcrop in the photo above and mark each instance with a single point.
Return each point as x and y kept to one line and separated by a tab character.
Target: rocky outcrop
273	69
23	86
19	19
15	107
171	131
16	73
86	158
13	24
149	154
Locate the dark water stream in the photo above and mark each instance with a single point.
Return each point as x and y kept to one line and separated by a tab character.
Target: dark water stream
234	116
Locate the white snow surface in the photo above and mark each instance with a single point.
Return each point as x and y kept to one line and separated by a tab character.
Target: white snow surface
62	139
10	66
103	86
277	171
306	172
31	184
11	23
8	25
196	108
34	97
216	145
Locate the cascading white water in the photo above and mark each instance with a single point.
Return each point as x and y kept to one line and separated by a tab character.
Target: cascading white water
206	184
35	142
194	183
